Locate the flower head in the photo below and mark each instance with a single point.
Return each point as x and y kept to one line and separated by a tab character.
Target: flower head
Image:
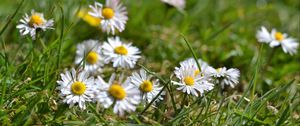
125	95
76	87
275	38
190	82
89	54
119	53
113	15
30	24
148	88
226	76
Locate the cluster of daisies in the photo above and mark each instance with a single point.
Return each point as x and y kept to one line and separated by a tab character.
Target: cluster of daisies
196	77
125	89
124	93
86	84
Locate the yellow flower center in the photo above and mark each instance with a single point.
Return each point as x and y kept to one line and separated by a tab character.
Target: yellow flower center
189	80
35	20
146	86
219	70
92	57
78	88
279	36
121	50
117	91
108	13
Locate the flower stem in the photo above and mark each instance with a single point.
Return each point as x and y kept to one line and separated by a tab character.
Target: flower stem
183	100
42	43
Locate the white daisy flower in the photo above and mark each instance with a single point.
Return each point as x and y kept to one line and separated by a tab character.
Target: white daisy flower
179	4
76	87
275	38
191	82
122	95
113	15
36	21
205	68
119	53
226	76
148	88
89	54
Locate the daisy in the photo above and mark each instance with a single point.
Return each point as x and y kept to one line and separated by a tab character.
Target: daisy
205	68
76	87
190	81
226	76
93	21
148	88
179	4
119	53
30	24
275	38
122	95
88	53
113	15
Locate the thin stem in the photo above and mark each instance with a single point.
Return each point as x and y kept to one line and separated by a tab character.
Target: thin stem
271	55
193	52
172	97
11	18
41	42
218	117
256	72
33	46
61	36
183	100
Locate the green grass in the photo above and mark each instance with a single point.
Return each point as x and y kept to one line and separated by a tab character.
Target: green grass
220	32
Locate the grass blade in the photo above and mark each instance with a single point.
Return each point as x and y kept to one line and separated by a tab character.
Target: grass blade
11	18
